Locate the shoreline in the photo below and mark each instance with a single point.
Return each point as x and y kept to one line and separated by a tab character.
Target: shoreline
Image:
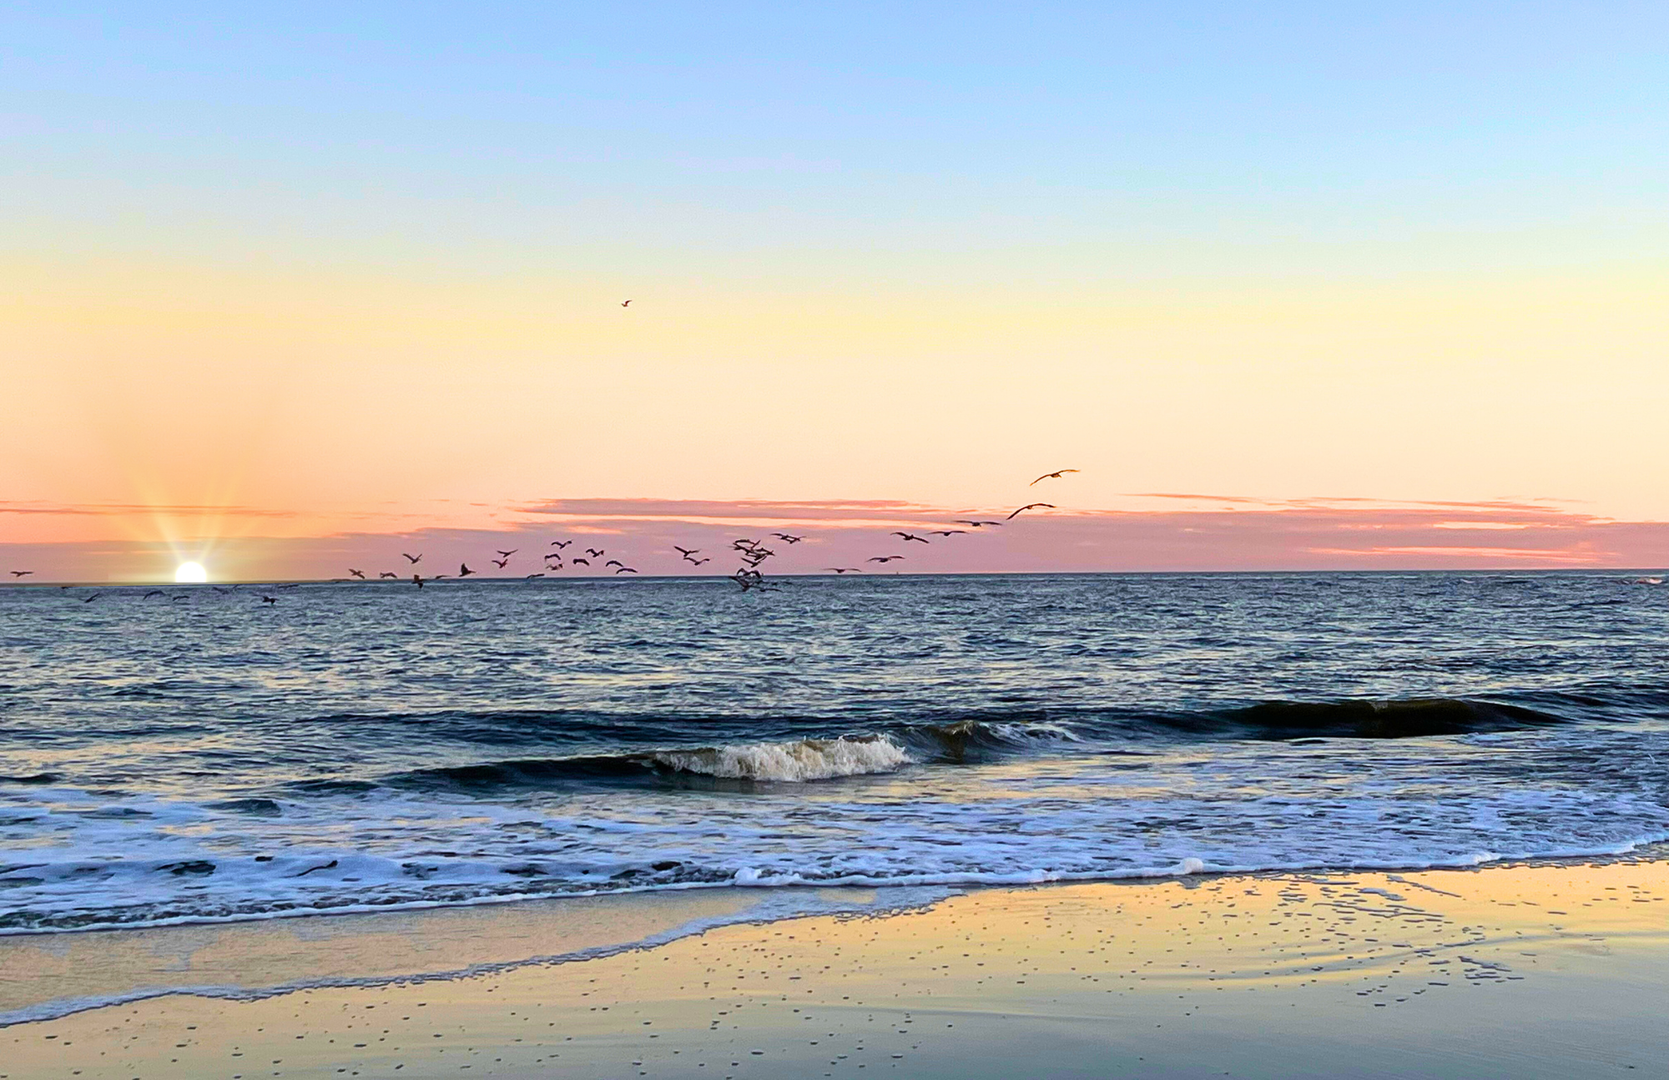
1037	962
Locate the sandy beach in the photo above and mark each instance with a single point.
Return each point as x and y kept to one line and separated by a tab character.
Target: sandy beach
1545	970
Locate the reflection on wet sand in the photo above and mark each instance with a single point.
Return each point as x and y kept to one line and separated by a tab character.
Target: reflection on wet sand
1514	971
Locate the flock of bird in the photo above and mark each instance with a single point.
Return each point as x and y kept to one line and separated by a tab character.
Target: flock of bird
751	553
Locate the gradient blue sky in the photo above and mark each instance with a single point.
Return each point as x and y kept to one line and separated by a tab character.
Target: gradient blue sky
353	267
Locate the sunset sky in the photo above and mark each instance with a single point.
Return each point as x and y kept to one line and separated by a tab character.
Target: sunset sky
1296	285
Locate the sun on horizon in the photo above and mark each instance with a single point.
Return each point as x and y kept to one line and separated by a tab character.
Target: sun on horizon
190	573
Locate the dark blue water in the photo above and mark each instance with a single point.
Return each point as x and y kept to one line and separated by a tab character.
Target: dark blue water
376	745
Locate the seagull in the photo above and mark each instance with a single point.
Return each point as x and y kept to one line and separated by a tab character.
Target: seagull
885	558
360	574
1052	475
560	544
443	577
844	569
1031	506
21	573
464	570
614	562
978	524
787	539
625	303
530	577
507	554
697	562
500	563
577	561
686	552
596	553
908	537
90	599
417	580
625	570
948	532
413	559
269	599
388	573
153	592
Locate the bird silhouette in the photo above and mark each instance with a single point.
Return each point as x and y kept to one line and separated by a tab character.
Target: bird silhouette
360	574
153	592
978	524
530	577
686	552
464	570
885	558
500	563
1056	475
949	532
577	561
1031	506
614	562
560	544
269	599
21	573
90	599
908	537
697	562
844	569
413	559
625	570
625	303
787	539
595	553
417	579
507	554
388	574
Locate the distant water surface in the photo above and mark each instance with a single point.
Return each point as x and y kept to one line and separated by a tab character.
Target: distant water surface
375	745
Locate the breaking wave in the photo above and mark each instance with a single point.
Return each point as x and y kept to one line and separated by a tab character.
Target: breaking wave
794	762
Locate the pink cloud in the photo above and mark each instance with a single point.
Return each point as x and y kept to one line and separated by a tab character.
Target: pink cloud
1356	535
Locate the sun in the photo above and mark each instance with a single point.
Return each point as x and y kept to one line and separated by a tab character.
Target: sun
190	573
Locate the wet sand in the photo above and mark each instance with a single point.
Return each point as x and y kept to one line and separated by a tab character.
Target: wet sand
1524	971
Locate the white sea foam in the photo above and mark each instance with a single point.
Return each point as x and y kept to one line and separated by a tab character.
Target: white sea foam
795	762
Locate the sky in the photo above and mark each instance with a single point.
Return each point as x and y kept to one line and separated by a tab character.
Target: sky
1373	285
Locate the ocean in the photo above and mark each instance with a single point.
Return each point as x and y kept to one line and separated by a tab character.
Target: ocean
376	746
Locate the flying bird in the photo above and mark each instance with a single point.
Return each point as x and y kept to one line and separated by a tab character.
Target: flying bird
266	599
697	562
560	544
625	570
625	303
388	573
21	573
614	562
90	599
1056	475
908	537
413	559
686	552
844	569
787	539
530	577
885	558
948	532
1031	506
507	554
153	592
500	563
596	553
360	574
577	561
978	524
464	570
417	580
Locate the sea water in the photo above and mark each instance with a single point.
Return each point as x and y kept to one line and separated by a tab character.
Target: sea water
373	745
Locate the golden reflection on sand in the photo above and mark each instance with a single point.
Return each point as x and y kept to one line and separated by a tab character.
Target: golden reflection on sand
1516	971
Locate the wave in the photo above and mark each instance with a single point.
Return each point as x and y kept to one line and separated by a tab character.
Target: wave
792	762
